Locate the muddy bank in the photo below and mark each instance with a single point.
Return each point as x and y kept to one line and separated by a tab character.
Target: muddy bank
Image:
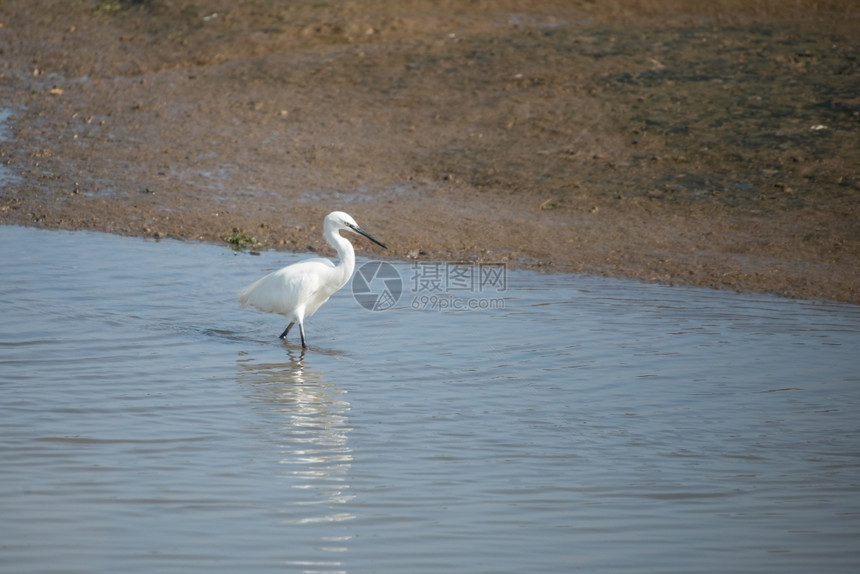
712	146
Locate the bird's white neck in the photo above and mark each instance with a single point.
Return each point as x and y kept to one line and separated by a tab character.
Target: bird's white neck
345	254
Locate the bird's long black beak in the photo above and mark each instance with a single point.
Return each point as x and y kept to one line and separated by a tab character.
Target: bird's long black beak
361	231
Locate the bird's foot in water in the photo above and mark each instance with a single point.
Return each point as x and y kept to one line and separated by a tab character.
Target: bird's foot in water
283	337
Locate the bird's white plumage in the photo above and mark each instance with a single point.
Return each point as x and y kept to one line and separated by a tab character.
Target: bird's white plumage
295	291
298	290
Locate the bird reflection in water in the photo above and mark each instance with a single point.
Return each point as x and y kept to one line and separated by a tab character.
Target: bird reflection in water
307	418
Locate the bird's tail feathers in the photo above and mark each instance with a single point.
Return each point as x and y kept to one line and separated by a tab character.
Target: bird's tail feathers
246	293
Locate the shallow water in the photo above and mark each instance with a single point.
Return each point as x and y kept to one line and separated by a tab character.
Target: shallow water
7	176
149	424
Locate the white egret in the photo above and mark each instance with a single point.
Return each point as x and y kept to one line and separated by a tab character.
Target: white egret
298	290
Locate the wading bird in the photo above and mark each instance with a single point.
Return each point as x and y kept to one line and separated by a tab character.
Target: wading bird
297	290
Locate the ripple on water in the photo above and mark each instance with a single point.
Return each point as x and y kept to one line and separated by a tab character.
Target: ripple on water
149	424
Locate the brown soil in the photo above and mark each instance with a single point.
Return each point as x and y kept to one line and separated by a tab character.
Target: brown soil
711	145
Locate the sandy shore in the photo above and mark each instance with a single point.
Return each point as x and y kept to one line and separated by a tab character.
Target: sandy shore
715	145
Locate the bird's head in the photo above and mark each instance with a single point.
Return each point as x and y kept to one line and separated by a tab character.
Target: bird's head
337	220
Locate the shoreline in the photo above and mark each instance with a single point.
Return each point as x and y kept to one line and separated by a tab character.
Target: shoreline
703	151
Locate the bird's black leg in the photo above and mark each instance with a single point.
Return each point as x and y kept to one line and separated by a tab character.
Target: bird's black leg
287	330
302	332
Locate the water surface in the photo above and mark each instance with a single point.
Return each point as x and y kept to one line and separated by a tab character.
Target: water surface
149	424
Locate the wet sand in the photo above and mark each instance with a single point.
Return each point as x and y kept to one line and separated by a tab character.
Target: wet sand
715	145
